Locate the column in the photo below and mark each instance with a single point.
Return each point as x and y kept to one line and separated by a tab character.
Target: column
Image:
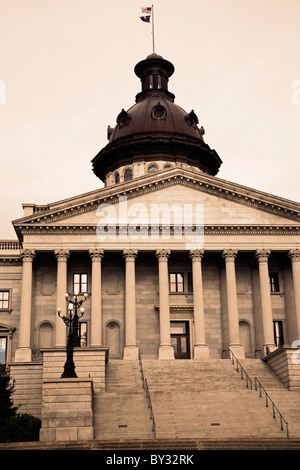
61	289
200	347
130	350
294	256
96	298
23	353
166	351
265	296
232	305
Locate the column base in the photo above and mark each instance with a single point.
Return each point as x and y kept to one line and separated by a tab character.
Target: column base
166	352
131	353
237	350
23	355
201	351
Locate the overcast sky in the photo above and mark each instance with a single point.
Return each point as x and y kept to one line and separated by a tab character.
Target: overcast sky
67	66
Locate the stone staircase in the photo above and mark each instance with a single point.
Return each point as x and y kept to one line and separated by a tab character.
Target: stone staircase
121	412
287	401
203	400
208	399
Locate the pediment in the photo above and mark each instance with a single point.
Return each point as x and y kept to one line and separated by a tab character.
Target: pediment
224	203
6	328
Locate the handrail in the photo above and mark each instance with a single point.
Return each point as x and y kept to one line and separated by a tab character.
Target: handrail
243	372
146	388
256	381
282	420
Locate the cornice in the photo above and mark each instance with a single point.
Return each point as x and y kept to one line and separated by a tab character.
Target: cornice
210	230
45	216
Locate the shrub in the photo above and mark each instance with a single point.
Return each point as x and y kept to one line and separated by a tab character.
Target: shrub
14	426
21	428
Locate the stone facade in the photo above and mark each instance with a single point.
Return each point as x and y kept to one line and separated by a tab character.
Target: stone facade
175	262
131	302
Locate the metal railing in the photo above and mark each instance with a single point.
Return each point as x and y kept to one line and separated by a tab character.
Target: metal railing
239	367
274	407
258	385
147	391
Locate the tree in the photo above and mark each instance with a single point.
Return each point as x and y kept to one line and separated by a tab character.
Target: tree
14	426
7	408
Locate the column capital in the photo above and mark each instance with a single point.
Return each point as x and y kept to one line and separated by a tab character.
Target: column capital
196	255
27	255
130	254
163	254
294	255
229	254
262	255
62	255
96	254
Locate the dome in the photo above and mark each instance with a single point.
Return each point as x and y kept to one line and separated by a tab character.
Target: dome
155	128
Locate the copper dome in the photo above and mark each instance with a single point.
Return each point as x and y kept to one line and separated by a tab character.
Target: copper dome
155	127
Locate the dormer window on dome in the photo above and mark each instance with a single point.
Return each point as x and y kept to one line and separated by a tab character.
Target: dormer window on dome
123	118
192	119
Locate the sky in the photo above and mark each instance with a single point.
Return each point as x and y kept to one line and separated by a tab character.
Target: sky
67	70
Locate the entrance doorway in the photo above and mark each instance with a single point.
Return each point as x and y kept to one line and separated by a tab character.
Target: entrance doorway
180	339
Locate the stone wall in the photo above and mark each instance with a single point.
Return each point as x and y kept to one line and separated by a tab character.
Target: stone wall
28	379
89	364
67	410
285	363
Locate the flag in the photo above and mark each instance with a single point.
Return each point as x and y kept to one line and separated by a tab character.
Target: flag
146	10
145	18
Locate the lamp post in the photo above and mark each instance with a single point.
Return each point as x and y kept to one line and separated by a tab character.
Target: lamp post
75	311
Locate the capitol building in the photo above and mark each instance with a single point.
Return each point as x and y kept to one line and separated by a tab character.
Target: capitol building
184	280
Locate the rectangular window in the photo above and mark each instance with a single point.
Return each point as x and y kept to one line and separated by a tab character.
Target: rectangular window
176	282
83	334
274	282
4	299
3	350
278	333
80	283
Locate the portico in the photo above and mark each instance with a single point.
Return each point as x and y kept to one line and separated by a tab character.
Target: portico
118	278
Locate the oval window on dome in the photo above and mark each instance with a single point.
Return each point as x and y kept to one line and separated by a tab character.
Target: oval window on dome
158	112
127	175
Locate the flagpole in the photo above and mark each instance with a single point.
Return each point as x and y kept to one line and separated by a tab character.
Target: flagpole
153	29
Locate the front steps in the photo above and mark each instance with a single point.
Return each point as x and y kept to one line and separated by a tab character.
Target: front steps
192	399
167	445
121	412
207	399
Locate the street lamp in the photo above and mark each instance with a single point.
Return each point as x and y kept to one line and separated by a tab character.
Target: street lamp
75	311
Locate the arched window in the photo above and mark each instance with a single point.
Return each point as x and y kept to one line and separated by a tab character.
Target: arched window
117	178
152	169
128	175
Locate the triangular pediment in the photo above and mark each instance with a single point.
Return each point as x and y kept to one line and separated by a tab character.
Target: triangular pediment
6	328
224	203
